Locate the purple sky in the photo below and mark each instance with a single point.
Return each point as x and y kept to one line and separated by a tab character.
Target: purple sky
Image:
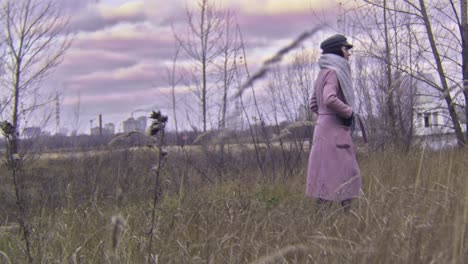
117	62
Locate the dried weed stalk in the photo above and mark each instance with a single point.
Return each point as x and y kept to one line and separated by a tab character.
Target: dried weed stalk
157	130
14	164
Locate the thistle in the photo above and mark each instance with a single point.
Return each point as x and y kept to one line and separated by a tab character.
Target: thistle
159	123
7	128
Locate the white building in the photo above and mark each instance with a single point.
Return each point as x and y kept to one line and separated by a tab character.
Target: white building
432	124
133	124
109	129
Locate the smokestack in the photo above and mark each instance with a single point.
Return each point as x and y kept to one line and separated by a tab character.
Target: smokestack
100	124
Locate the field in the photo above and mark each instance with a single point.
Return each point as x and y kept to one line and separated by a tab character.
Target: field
238	206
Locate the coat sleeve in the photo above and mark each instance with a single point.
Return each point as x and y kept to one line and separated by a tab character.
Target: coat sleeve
330	98
313	103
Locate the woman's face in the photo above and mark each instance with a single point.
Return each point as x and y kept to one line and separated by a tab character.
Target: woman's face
346	52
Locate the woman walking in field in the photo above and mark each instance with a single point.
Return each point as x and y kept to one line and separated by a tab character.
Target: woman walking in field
333	172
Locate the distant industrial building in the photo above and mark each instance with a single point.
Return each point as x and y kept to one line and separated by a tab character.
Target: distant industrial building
95	131
108	129
133	124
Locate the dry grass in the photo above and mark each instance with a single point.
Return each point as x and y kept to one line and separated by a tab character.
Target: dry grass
413	209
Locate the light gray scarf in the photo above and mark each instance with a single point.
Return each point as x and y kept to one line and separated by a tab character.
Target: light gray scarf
343	70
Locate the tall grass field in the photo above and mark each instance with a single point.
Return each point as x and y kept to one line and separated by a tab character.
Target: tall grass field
225	208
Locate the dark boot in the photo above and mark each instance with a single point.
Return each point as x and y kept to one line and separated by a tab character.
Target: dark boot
323	206
346	204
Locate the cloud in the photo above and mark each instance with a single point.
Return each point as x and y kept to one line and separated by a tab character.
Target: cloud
137	72
274	26
136	76
114	97
74	5
101	16
274	7
93	17
140	40
83	61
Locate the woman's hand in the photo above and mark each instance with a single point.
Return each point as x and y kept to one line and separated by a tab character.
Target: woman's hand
349	122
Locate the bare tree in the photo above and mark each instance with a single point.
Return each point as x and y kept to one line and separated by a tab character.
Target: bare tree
389	87
230	51
201	43
290	87
463	26
303	71
365	85
440	69
35	42
380	32
283	103
174	80
423	42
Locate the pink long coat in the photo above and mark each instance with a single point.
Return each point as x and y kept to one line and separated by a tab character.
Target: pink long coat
333	172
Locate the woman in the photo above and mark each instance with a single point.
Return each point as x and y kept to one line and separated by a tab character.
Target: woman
333	172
